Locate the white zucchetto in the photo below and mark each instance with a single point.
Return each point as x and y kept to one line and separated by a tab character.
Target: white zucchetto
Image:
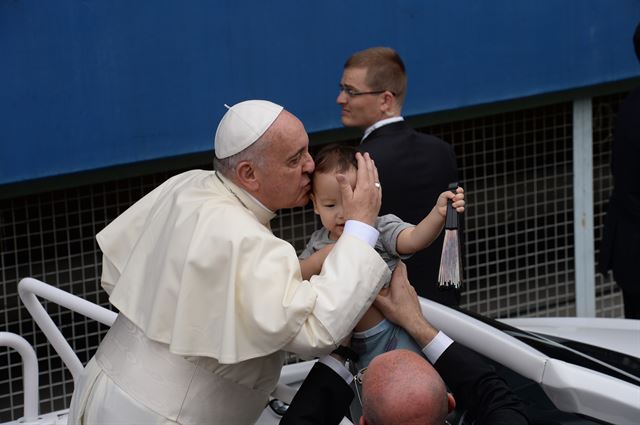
242	125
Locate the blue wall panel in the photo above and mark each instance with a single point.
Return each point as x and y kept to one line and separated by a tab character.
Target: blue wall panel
90	84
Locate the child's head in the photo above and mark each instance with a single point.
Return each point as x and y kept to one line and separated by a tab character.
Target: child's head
327	200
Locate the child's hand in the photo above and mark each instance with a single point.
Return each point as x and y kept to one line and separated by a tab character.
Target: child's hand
312	265
458	201
323	252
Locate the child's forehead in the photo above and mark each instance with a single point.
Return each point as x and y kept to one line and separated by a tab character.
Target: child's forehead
325	181
336	168
350	173
351	169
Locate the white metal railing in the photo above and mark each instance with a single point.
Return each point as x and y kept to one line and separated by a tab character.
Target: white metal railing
29	372
30	289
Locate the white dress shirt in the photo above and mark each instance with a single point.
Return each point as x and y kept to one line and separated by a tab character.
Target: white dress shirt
379	124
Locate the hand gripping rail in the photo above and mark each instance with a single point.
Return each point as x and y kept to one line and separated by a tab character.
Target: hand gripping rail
29	373
30	289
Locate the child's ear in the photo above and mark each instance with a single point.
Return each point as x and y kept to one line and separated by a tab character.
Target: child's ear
313	199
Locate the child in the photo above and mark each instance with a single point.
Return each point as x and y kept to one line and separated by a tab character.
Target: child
373	335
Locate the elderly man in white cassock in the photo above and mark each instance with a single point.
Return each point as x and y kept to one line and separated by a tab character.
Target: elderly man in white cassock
209	298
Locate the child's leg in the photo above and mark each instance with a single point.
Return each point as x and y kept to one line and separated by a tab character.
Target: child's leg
383	337
369	320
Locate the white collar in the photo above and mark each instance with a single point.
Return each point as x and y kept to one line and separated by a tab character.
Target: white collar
379	124
247	200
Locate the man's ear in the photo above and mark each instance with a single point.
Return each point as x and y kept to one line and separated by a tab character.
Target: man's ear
451	402
388	104
362	421
246	175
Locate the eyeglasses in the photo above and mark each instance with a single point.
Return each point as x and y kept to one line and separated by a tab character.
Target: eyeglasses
352	93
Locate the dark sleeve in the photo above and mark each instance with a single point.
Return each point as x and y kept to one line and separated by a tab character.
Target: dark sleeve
323	399
478	389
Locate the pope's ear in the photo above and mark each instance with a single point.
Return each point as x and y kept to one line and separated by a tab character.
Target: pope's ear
246	175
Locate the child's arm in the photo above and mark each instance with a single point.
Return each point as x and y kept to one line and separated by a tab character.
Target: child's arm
413	239
312	265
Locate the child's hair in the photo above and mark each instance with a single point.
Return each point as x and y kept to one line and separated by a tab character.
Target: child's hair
336	157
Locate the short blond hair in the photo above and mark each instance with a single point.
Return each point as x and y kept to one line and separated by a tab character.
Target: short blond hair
385	70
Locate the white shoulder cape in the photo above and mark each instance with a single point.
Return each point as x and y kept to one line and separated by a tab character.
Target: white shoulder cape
195	269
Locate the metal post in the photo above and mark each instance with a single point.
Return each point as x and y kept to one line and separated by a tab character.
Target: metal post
583	208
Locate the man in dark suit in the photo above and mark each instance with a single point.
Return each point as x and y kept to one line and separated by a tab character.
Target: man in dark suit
620	248
414	168
400	387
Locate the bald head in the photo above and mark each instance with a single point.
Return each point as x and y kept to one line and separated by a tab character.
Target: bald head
401	387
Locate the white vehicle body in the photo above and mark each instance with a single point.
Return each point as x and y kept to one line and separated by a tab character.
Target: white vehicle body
619	335
570	387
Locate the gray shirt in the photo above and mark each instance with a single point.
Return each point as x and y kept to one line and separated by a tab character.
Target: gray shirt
389	227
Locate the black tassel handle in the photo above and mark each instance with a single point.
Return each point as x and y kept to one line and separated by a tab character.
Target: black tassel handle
451	220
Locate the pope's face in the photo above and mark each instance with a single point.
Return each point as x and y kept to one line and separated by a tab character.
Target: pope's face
363	110
285	176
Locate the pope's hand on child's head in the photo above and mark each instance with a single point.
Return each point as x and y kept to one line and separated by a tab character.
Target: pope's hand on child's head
362	202
457	198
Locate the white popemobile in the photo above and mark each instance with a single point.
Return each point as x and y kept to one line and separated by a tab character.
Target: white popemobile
568	370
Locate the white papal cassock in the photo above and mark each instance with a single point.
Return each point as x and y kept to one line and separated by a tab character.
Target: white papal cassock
209	298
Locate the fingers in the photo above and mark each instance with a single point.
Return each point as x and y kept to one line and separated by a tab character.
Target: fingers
459	194
399	280
375	172
442	201
363	171
399	304
402	278
362	202
457	199
383	300
367	172
401	270
345	188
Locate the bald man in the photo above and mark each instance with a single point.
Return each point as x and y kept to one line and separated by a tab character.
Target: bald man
396	376
395	392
